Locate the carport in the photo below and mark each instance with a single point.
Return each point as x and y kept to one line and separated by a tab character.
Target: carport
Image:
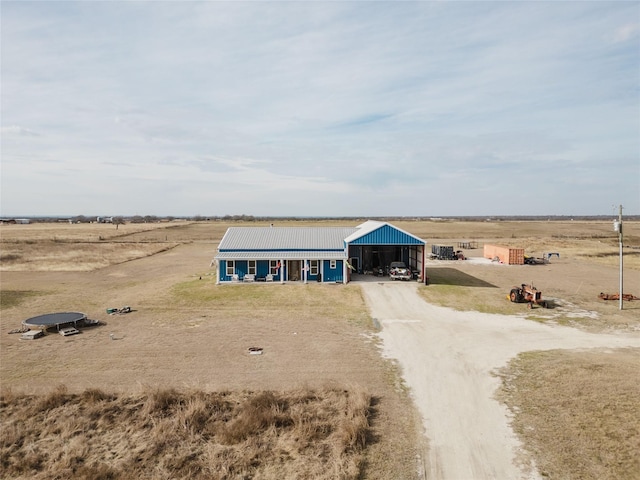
323	254
377	244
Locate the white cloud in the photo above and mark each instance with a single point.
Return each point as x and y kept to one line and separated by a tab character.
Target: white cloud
18	131
626	32
322	107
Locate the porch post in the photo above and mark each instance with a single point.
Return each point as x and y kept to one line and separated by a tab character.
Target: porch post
424	264
282	269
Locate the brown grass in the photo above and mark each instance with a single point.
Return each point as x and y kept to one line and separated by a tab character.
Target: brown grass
318	434
588	265
593	241
42	247
188	334
577	412
313	433
81	232
55	246
47	256
12	298
309	302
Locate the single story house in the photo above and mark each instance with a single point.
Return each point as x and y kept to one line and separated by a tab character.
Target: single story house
322	254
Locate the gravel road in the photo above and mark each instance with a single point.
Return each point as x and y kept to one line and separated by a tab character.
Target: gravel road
447	359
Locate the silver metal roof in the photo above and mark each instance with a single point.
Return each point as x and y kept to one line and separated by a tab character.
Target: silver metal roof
284	238
283	255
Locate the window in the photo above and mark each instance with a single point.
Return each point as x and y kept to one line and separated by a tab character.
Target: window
252	267
313	264
332	264
274	265
231	266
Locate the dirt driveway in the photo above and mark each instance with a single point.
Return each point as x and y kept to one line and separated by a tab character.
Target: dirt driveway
447	359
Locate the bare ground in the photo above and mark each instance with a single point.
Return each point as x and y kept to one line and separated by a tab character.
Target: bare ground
207	343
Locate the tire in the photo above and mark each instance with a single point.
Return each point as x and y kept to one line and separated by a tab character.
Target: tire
513	296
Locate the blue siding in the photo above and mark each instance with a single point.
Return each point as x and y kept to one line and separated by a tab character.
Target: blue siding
387	235
223	272
262	268
332	274
310	276
241	268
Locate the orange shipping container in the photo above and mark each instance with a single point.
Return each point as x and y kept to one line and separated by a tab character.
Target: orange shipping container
508	255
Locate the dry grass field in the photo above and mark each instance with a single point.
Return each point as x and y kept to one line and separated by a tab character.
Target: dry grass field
195	435
577	411
187	341
187	335
588	265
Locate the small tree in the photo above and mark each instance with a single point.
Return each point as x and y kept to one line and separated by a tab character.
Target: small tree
117	221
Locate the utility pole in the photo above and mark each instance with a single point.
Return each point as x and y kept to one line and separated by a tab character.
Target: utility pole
617	226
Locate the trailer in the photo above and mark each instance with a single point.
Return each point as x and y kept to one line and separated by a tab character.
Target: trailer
443	252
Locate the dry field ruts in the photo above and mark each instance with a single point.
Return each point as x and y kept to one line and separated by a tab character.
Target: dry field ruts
187	340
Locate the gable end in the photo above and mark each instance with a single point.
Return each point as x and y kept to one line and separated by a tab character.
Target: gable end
387	235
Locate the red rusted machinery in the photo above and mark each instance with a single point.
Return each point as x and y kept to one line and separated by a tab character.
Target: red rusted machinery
616	296
527	294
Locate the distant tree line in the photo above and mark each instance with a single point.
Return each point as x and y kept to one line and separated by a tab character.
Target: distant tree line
120	219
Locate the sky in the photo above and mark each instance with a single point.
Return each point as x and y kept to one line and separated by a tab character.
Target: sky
354	109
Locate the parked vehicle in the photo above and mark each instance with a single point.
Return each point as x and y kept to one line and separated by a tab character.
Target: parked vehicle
399	271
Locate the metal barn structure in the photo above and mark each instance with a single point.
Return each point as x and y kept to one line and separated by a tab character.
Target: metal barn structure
322	254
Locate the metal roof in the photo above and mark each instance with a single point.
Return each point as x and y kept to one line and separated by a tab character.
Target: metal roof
268	239
284	255
293	243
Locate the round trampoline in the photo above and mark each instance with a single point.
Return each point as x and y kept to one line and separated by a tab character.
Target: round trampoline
57	320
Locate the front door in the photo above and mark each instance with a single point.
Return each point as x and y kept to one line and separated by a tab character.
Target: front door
294	269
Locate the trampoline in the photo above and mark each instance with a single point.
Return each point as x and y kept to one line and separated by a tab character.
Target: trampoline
57	320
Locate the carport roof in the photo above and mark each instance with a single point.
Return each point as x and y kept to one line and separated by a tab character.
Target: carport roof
373	232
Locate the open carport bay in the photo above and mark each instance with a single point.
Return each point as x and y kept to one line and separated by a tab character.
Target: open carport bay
368	258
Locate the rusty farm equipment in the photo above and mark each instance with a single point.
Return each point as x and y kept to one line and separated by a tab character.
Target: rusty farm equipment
616	296
527	294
